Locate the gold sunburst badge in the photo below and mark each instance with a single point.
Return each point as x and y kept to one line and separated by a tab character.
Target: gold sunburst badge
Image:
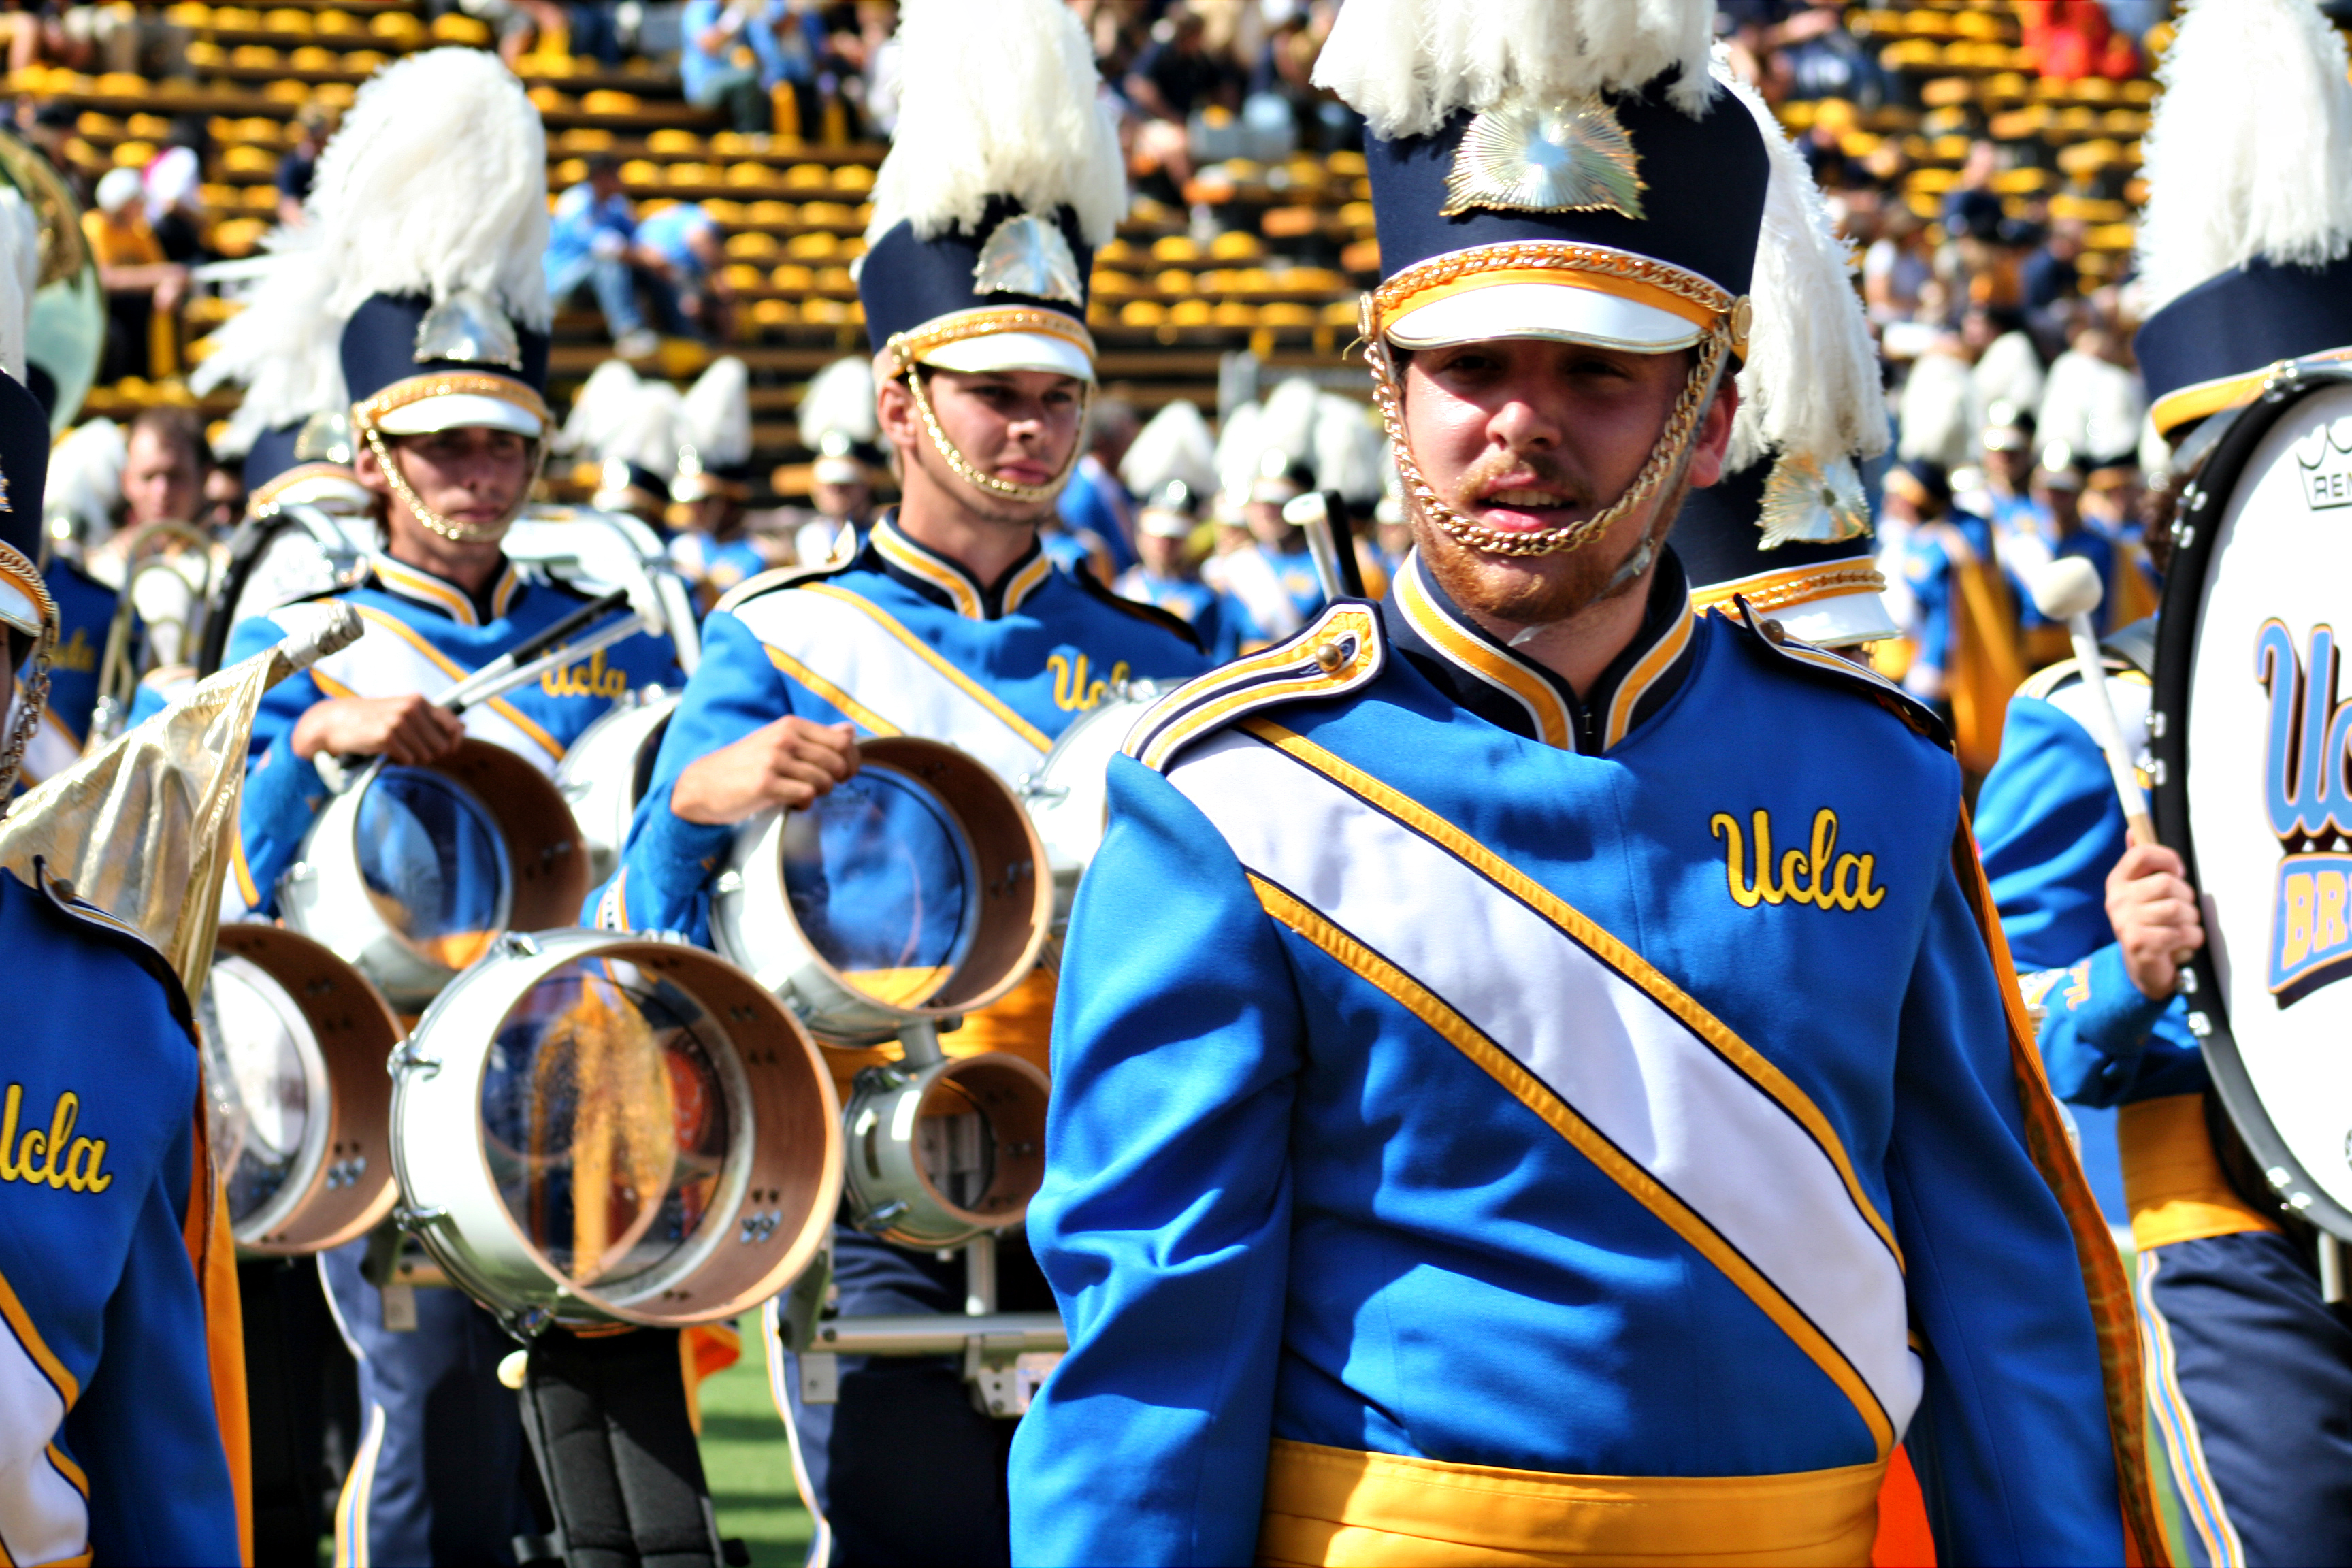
1026	255
1807	501
1546	158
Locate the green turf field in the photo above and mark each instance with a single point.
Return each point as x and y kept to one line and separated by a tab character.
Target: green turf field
749	1465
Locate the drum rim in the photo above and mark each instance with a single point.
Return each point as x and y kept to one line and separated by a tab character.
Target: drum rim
2195	529
293	1194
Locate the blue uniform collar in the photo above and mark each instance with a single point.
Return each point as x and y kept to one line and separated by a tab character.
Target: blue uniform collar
946	582
447	598
1473	667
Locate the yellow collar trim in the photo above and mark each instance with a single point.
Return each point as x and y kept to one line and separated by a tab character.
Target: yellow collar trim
1555	725
1028	581
415	583
937	570
1647	672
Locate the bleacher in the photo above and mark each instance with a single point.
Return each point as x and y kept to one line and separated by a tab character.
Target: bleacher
1262	253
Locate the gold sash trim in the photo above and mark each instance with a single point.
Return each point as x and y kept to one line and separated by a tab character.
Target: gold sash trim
2173	1182
1344	1507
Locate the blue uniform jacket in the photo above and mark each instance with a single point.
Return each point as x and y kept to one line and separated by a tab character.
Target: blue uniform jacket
423	634
2051	829
1189	600
1927	566
1300	1189
107	1429
900	640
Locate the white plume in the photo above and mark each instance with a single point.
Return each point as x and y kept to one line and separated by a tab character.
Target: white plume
1238	447
1350	450
1405	65
85	480
648	430
1175	445
2250	154
998	100
715	418
1287	422
1811	383
603	401
839	398
20	274
284	347
437	182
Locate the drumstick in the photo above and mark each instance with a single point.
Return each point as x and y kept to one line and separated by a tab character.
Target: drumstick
2068	589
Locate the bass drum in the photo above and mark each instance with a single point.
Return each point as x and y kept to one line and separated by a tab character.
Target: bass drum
2249	737
605	773
1069	796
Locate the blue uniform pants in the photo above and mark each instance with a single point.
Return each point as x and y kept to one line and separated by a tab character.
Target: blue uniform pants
2252	1385
438	1481
904	1467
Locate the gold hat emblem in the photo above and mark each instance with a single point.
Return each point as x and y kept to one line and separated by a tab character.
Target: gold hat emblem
1546	158
1026	255
1809	502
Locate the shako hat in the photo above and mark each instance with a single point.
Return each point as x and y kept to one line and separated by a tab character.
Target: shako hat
837	423
1788	527
27	613
714	428
1558	168
1003	177
2245	247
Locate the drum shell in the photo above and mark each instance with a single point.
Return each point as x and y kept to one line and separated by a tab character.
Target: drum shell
1069	797
884	1165
604	772
752	922
773	1210
324	897
347	1193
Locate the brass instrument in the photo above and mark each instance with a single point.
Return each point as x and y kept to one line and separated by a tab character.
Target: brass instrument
168	580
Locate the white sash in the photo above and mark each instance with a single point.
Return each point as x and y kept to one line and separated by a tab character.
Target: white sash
391	660
864	663
42	1516
1606	1046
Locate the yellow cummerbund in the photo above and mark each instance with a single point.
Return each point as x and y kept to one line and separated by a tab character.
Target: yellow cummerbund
1344	1507
2172	1180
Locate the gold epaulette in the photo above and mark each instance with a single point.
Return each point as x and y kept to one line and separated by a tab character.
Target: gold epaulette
1339	650
1921	718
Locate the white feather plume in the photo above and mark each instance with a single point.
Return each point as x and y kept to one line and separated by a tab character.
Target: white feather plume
1238	447
1811	383
437	182
647	431
2250	153
999	98
602	402
1287	422
1405	65
839	400
715	418
284	347
1175	445
1349	449
20	273
85	480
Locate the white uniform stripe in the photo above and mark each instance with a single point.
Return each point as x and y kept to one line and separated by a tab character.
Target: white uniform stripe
1606	1046
383	663
847	647
43	1518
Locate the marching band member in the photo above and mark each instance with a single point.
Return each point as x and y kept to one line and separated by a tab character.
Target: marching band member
837	423
712	547
2248	1368
430	205
1445	1161
1165	577
110	1441
950	623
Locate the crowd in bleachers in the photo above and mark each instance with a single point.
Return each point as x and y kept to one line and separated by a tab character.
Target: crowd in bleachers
710	163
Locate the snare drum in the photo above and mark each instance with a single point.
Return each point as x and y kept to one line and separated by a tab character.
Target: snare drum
605	773
596	1130
1069	797
410	873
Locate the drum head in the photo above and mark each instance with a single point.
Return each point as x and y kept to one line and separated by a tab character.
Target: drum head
882	880
434	864
2252	734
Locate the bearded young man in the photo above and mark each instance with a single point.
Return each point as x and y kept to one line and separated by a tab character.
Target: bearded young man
1535	1082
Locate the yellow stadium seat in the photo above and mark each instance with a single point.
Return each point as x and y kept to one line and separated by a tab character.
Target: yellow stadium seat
1346	165
640	173
838	213
456	27
749	176
148	127
339	23
400	26
774	314
743	275
1195	312
285	19
547	101
2112	237
121	84
802	176
721	210
133	154
189	13
770	211
1175	281
312	57
1175	247
214	195
605	100
673	140
334	94
261	198
753	246
569	173
1286	314
90	122
1237	245
1339	313
855	177
586	138
729	143
837	279
1109	284
2020	181
255	56
235	18
368	60
792	280
1142	313
238	236
691	174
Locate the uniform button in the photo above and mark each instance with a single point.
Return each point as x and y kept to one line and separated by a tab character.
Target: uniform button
1774	632
1330	656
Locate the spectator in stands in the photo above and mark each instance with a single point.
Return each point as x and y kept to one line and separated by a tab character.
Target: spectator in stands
1178	73
163	467
50	126
1972	210
2049	274
717	34
1897	266
139	279
312	127
683	243
592	242
1813	57
174	181
1095	503
595	31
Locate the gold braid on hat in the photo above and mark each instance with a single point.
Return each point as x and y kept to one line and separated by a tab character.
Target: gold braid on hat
456	533
903	350
33	693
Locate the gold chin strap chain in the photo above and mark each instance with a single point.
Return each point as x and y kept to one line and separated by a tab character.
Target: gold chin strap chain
1666	458
989	484
33	693
456	533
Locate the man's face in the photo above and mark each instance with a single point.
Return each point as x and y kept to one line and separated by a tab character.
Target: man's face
1019	426
1265	526
841	502
1161	555
2063	502
224	499
2009	467
1523	435
473	477
160	481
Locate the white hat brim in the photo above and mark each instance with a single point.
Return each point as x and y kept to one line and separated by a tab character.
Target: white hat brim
989	352
459	411
1558	312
